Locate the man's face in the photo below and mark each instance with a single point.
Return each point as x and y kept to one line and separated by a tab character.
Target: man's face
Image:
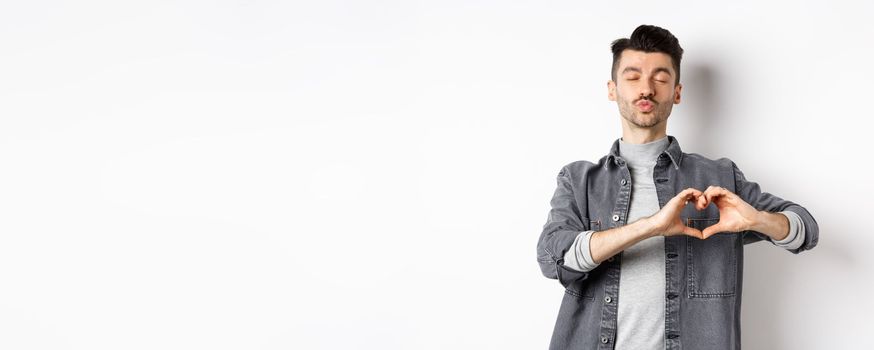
644	88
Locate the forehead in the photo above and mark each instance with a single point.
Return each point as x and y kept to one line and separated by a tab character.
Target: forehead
646	61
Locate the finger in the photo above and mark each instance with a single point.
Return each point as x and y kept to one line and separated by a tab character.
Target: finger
720	194
709	190
726	193
689	193
702	202
682	196
712	193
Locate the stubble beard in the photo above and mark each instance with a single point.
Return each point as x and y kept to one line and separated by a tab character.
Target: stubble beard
630	113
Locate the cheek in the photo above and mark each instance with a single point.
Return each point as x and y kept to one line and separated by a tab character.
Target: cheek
669	94
622	92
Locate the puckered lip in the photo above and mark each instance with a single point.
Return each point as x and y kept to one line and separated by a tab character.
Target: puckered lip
645	105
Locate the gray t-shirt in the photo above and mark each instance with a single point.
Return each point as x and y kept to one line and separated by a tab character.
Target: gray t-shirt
641	308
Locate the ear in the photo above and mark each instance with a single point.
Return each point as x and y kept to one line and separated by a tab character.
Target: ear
611	90
677	90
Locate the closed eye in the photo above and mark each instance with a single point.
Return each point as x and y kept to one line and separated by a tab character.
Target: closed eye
662	78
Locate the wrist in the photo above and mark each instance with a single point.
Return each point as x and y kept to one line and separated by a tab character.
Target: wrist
759	220
773	225
648	228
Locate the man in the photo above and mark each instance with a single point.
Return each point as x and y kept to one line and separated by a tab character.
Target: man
648	242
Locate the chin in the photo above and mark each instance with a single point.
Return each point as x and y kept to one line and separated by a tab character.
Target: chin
648	119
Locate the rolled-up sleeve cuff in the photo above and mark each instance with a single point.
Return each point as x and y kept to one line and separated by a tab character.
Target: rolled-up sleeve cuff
796	232
579	257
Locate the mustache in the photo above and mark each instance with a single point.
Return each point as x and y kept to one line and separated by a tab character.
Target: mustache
646	98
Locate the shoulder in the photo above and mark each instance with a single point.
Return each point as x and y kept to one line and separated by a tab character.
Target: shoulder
696	160
720	170
583	168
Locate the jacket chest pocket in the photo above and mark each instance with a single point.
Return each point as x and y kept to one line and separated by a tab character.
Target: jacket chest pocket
711	264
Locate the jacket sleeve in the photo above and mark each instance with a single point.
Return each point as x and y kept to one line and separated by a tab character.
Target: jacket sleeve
563	224
751	193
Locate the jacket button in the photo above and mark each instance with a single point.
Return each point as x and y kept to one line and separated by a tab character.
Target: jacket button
604	340
615	217
607	299
610	259
623	182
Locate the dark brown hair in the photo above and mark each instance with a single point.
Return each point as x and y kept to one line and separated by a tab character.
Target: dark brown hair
648	38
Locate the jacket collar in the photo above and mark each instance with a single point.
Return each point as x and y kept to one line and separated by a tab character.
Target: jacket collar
673	152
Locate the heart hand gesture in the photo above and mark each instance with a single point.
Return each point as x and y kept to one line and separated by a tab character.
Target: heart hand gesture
735	214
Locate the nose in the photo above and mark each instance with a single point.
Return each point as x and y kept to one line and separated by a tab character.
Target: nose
646	90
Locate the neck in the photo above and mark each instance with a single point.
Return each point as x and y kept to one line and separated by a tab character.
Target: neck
645	154
634	134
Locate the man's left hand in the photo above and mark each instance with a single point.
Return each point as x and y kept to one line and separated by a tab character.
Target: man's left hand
735	215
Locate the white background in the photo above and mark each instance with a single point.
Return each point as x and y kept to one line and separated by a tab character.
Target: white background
351	175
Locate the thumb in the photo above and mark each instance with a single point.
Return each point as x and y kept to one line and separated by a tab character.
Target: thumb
694	232
713	229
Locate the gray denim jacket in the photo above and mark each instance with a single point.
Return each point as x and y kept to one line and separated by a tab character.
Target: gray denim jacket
704	277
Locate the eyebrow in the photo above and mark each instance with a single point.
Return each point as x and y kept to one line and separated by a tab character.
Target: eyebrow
635	69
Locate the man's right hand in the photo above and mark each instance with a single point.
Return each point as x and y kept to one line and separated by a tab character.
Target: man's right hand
667	222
